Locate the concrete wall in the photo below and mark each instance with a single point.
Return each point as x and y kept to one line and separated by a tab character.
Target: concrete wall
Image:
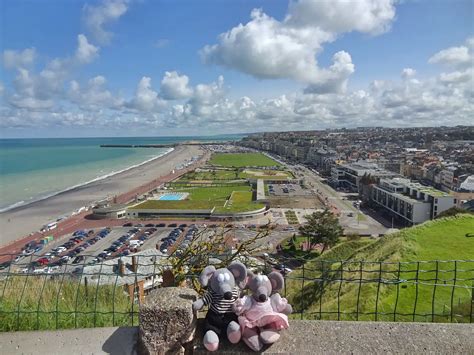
303	337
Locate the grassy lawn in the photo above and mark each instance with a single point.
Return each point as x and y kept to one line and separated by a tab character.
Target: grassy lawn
235	174
242	159
240	201
212	175
419	285
207	198
36	302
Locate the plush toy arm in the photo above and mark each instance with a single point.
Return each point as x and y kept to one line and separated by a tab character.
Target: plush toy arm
241	305
201	302
198	304
280	304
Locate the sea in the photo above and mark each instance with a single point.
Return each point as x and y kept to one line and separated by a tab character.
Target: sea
36	168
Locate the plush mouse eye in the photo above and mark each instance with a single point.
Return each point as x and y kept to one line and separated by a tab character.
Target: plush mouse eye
227	277
265	278
259	278
220	278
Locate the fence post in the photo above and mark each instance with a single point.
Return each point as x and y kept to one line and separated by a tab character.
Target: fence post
434	292
378	292
416	288
398	293
358	291
454	288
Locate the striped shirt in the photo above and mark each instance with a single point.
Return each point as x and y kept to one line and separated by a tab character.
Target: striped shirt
218	304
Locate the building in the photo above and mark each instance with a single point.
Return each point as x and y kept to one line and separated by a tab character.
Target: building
348	175
410	202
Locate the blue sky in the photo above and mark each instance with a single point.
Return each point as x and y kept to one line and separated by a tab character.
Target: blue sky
282	70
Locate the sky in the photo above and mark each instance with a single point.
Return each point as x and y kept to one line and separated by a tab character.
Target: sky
76	68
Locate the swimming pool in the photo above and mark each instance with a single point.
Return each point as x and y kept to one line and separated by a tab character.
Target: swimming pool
172	197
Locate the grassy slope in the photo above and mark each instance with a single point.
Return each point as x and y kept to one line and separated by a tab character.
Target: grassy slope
442	239
32	302
242	160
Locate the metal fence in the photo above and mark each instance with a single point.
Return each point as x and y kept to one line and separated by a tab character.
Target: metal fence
109	293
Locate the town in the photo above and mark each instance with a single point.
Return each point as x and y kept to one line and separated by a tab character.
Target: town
409	175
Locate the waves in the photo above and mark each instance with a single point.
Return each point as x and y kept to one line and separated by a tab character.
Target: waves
26	202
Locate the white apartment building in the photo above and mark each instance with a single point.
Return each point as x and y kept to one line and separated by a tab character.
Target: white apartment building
349	174
410	201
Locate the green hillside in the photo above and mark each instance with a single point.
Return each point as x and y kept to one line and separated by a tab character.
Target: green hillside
416	269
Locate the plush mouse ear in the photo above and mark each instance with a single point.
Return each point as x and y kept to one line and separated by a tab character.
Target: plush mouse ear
276	280
240	273
250	276
206	275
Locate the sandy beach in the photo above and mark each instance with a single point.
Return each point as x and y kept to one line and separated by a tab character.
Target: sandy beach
24	220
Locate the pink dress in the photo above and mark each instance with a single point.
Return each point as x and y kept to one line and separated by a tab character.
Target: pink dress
260	314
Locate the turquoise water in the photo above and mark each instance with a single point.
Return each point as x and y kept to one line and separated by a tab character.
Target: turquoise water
171	197
31	169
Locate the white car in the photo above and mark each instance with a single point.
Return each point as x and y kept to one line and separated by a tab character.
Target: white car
17	258
41	271
52	269
61	249
65	258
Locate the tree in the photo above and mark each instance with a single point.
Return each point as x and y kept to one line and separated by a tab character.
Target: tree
322	227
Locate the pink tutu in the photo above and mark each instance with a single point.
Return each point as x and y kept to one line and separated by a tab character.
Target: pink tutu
261	314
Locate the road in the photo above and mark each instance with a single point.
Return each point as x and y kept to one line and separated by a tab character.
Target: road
351	218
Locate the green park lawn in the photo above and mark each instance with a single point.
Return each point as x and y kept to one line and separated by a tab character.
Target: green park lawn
235	174
207	198
242	160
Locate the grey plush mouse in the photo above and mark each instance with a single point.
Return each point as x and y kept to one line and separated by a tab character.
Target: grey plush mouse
223	289
264	313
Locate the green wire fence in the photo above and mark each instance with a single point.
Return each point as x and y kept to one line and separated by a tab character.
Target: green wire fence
109	293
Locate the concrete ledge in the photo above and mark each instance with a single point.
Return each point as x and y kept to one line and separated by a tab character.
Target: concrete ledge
115	341
329	337
303	337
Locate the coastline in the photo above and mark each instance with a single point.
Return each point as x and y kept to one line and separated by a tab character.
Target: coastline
21	204
23	220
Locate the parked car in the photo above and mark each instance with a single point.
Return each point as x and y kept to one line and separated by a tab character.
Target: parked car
172	225
78	259
149	225
161	225
128	224
43	261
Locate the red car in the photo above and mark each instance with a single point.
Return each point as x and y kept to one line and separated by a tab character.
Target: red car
42	261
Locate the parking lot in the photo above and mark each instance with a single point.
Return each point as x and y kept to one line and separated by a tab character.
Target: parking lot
71	253
287	190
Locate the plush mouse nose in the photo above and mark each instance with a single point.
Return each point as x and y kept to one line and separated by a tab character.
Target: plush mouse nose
262	297
228	295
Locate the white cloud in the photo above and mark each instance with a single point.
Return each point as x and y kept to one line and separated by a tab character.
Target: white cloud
94	96
334	78
85	52
268	48
408	73
97	17
339	16
453	56
175	86
19	59
146	99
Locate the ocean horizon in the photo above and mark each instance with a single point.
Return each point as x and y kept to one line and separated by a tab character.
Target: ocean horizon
32	169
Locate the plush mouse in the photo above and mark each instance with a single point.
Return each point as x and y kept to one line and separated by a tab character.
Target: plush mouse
223	289
263	313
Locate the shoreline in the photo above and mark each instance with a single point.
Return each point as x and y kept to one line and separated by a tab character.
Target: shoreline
23	221
20	204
